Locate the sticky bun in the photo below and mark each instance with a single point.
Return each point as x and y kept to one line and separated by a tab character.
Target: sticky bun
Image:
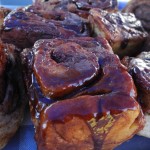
123	31
12	96
81	96
23	27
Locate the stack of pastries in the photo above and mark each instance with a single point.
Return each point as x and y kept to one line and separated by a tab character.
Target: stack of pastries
81	65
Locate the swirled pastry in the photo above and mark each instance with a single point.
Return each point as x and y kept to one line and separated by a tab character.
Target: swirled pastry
81	96
141	9
12	97
123	31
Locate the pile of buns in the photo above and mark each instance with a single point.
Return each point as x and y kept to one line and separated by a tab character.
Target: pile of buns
82	66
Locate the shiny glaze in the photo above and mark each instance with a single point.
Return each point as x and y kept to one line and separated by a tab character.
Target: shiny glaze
88	107
60	18
112	70
88	43
103	91
75	68
122	30
28	27
126	22
105	81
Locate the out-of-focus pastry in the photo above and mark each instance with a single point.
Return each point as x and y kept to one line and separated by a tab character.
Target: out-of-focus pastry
139	68
81	96
123	31
12	96
22	28
79	7
141	9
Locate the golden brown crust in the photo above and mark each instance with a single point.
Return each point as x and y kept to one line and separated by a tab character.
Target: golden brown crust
77	134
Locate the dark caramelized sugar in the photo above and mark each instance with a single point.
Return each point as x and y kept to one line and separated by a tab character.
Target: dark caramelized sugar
75	67
88	107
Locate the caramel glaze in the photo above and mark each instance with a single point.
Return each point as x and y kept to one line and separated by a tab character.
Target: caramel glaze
109	81
90	44
85	107
22	28
102	86
69	59
139	68
88	107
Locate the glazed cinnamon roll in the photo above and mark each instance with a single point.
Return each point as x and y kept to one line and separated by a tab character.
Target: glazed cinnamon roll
12	96
123	31
141	9
81	96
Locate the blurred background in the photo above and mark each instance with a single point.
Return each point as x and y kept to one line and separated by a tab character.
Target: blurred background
14	3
